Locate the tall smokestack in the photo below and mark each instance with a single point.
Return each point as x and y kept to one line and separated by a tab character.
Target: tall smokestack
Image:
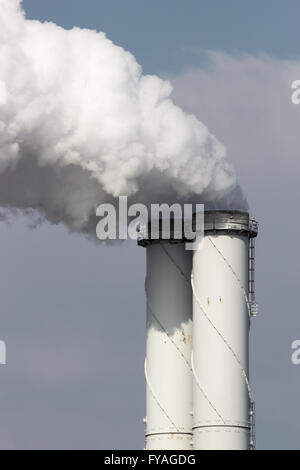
169	345
223	304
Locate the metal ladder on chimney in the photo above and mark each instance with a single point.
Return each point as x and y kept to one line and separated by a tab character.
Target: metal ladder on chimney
252	301
254	313
252	426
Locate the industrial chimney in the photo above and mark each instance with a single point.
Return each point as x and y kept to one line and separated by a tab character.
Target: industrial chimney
223	304
199	396
168	371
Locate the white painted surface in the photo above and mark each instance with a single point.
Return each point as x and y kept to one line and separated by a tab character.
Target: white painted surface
221	343
169	346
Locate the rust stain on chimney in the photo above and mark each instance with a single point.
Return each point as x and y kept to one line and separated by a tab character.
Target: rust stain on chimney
184	337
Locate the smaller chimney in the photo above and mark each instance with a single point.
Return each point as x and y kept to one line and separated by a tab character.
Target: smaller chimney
169	345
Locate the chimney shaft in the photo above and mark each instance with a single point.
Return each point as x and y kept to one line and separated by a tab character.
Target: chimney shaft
169	345
221	321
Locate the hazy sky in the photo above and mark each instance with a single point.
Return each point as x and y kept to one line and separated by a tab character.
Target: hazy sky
73	314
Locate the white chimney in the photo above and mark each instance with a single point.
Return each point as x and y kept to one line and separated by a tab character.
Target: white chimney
169	345
222	310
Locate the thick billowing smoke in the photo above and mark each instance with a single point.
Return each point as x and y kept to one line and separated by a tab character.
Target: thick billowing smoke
82	125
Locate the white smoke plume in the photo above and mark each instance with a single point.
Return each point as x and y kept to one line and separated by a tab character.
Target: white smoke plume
82	125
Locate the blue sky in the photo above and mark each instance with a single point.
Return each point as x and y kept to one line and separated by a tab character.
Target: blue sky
73	314
166	36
